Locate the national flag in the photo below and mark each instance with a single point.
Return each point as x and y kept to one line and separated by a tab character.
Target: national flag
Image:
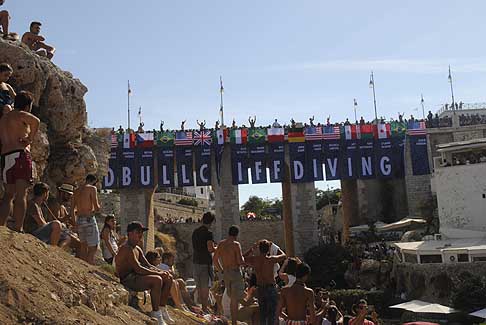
165	139
398	128
313	133
256	135
332	132
296	135
221	89
366	131
119	139
417	128
129	140
129	89
202	138
239	136
275	135
113	141
145	139
349	132
383	131
183	138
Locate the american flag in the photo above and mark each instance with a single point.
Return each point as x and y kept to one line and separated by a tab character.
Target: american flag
313	133
114	141
202	138
332	133
183	138
417	128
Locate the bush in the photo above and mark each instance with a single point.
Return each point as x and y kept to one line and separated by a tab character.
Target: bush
469	292
328	262
187	201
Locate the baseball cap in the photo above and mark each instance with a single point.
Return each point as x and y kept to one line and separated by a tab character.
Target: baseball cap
136	226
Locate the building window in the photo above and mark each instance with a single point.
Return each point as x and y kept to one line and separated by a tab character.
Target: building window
479	258
463	258
410	258
425	259
202	191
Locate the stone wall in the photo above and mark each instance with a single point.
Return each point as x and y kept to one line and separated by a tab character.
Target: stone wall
250	232
431	282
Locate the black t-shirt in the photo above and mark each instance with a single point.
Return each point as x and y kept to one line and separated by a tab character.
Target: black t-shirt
200	238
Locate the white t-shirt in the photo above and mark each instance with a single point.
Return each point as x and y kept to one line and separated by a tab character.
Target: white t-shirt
325	322
291	281
274	252
164	267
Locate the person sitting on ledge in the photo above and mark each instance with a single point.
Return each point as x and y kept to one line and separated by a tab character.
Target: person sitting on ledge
136	273
7	94
35	223
5	22
17	131
36	42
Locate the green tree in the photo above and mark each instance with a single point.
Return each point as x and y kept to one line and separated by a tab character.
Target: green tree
469	292
324	198
262	208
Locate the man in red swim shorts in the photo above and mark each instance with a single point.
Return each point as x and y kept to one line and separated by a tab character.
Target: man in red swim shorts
17	131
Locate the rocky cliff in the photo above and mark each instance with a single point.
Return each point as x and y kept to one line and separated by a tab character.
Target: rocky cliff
65	150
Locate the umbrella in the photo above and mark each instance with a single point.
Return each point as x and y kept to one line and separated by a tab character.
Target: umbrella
435	309
411	305
420	323
479	313
419	306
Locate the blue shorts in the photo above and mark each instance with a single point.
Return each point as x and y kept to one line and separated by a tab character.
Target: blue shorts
44	233
203	275
88	230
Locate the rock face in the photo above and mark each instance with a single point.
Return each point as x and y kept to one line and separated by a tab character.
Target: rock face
63	151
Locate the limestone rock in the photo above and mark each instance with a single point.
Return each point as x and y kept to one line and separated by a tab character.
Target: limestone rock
40	151
61	151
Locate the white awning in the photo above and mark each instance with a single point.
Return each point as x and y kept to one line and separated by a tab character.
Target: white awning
479	313
419	306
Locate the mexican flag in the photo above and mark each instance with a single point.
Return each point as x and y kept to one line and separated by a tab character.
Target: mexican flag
239	136
349	132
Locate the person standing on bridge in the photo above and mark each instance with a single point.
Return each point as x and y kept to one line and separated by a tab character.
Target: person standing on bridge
203	246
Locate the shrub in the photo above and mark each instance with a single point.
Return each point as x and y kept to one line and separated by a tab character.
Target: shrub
469	292
328	262
349	297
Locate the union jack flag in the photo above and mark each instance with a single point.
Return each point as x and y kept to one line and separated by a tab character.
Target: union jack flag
202	138
183	138
332	133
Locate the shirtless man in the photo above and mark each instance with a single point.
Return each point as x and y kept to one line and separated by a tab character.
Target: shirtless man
84	206
4	20
136	273
36	42
17	131
267	291
229	252
298	299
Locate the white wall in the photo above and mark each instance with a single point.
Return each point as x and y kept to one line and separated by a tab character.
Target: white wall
462	208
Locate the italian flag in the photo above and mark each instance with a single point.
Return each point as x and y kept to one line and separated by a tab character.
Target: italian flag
239	136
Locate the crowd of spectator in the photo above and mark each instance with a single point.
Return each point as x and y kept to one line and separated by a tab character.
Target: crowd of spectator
471	119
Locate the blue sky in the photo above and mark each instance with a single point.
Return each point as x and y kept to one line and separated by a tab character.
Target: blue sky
279	59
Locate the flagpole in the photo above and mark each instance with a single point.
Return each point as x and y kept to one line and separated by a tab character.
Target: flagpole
452	89
355	106
372	84
128	100
221	90
422	102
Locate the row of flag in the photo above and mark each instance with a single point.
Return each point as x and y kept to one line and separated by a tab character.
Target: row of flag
270	135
